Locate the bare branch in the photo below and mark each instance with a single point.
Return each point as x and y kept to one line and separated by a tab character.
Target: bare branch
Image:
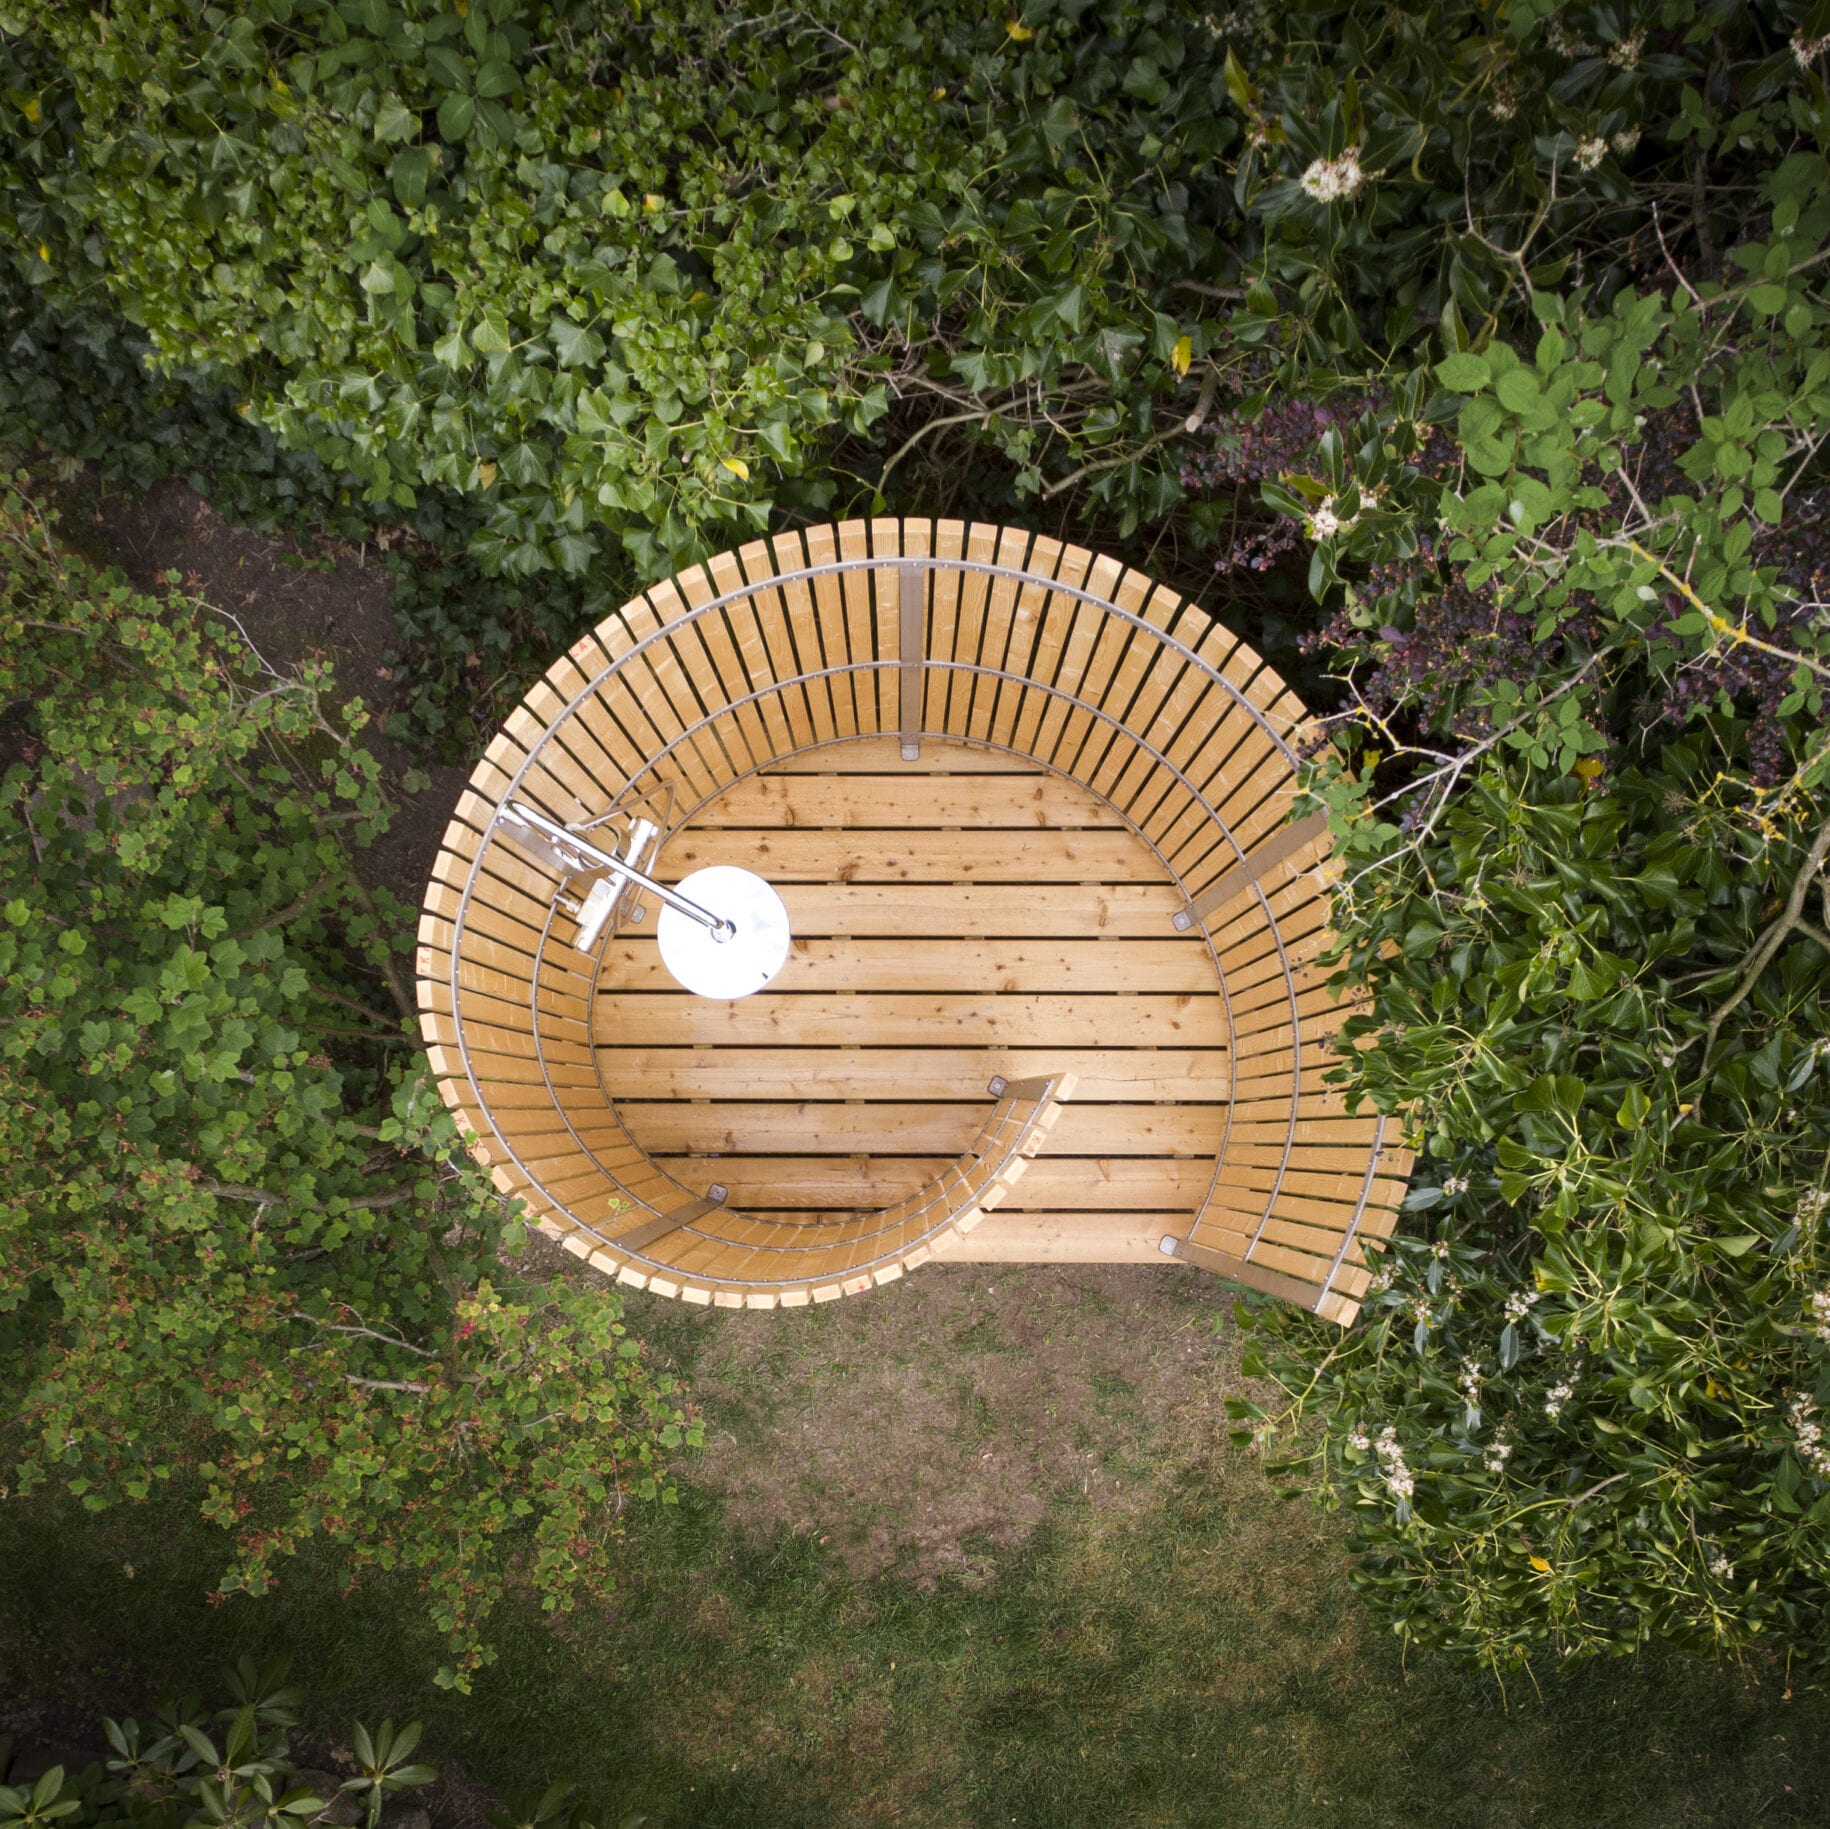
1789	920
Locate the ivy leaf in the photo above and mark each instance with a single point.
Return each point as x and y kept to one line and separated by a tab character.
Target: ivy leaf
575	345
1069	305
490	337
394	120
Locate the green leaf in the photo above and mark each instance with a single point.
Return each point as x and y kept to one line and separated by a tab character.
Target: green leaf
1519	390
574	344
394	120
1465	372
497	79
490	337
409	172
456	115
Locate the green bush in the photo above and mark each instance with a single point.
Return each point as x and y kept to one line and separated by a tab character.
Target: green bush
238	1231
636	274
235	1768
178	1773
1579	797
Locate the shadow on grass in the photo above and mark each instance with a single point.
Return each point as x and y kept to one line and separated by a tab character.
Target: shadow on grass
1204	1664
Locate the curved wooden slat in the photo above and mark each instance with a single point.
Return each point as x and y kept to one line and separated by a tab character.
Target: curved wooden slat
777	689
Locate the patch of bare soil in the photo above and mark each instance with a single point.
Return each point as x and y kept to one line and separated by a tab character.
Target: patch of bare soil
293	604
928	1427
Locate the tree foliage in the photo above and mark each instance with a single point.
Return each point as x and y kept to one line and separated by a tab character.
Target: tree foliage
1514	317
1574	555
239	1235
618	271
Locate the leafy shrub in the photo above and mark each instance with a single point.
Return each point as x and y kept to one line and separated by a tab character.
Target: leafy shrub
179	1773
236	1769
1578	791
637	274
237	1229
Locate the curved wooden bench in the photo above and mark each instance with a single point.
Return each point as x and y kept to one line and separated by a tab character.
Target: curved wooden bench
912	631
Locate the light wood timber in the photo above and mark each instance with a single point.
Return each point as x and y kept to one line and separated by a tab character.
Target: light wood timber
986	906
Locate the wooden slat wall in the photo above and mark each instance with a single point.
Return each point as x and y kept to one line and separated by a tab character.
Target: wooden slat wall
1032	885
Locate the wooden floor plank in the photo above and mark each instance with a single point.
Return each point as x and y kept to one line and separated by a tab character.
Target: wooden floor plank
1140	1075
1013	1236
915	857
784	1017
736	1127
892	802
853	1183
955	964
1095	910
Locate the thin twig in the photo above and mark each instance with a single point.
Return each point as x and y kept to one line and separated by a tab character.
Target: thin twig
1109	463
921	432
235	1190
1599	1486
291	910
1789	920
337	1327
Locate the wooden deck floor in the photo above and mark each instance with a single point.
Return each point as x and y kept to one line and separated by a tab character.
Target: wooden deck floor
957	917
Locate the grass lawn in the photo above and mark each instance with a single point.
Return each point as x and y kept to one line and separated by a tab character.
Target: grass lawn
970	1551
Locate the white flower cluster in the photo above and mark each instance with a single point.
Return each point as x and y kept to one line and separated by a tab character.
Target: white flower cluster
1820	1313
1590	152
1360	1440
1324	524
1564	42
1806	51
1720	1566
1503	105
1456	1184
1809	1434
1625	54
1470	1382
1811	1204
1499	1452
1392	1465
1329	180
1557	1396
1520	1303
1625	140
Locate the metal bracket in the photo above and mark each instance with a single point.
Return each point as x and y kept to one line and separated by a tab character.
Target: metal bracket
650	1231
911	652
1240	878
